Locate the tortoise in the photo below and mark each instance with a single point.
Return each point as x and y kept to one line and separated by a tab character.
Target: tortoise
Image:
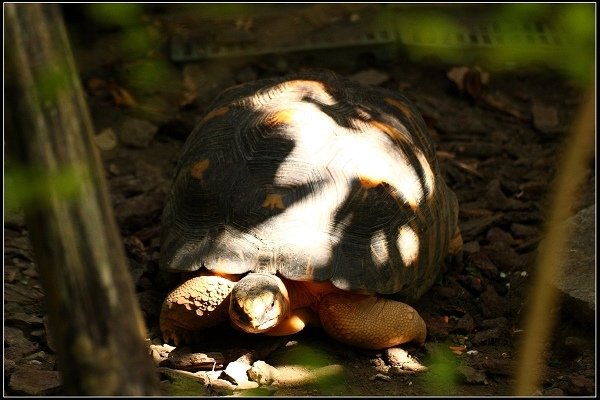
307	199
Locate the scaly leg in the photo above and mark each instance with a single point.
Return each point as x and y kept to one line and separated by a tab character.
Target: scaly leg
370	322
199	303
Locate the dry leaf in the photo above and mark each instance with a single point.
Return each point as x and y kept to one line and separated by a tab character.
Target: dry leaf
470	80
121	96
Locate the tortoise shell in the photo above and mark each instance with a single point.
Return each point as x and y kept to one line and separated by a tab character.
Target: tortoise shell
314	177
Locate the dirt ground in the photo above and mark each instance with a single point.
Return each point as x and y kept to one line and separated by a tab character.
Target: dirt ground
498	147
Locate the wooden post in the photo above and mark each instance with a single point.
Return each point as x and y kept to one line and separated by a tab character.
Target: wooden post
92	309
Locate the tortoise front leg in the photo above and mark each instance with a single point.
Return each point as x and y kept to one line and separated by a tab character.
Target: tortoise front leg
199	303
370	322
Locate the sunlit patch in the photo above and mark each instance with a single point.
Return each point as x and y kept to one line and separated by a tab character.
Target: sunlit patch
408	245
273	201
316	88
199	168
379	248
404	109
429	178
219	112
291	92
374	162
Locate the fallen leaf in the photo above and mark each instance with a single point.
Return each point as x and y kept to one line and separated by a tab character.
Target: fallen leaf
470	80
121	96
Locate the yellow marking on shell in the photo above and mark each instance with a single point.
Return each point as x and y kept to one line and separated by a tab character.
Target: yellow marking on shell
199	168
281	117
404	109
369	182
273	201
408	245
389	130
219	112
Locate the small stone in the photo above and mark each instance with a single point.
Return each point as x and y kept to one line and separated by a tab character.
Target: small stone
579	385
9	366
487	336
18	345
397	356
471	247
500	322
437	327
553	392
524	230
24	321
496	234
370	77
492	305
34	382
465	324
184	360
263	373
545	118
577	345
471	375
380	377
137	132
244	385
40	355
237	371
106	140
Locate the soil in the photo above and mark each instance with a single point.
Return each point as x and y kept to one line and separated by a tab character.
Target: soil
498	146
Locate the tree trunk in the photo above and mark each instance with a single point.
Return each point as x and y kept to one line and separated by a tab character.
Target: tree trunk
92	309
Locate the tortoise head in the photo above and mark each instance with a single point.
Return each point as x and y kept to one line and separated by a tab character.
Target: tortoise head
259	302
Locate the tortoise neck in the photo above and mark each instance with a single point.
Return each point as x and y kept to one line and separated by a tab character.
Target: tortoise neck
307	293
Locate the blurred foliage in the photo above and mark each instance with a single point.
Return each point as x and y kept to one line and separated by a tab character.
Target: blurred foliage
568	29
140	44
316	359
26	188
441	378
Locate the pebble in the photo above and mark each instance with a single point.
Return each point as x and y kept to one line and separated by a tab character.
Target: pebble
106	140
577	345
465	324
579	385
34	382
492	305
553	392
137	132
18	345
397	356
487	336
471	247
237	371
380	377
545	118
370	77
471	375
263	373
500	322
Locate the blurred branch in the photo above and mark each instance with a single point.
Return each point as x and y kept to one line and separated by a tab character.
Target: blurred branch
543	299
93	313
